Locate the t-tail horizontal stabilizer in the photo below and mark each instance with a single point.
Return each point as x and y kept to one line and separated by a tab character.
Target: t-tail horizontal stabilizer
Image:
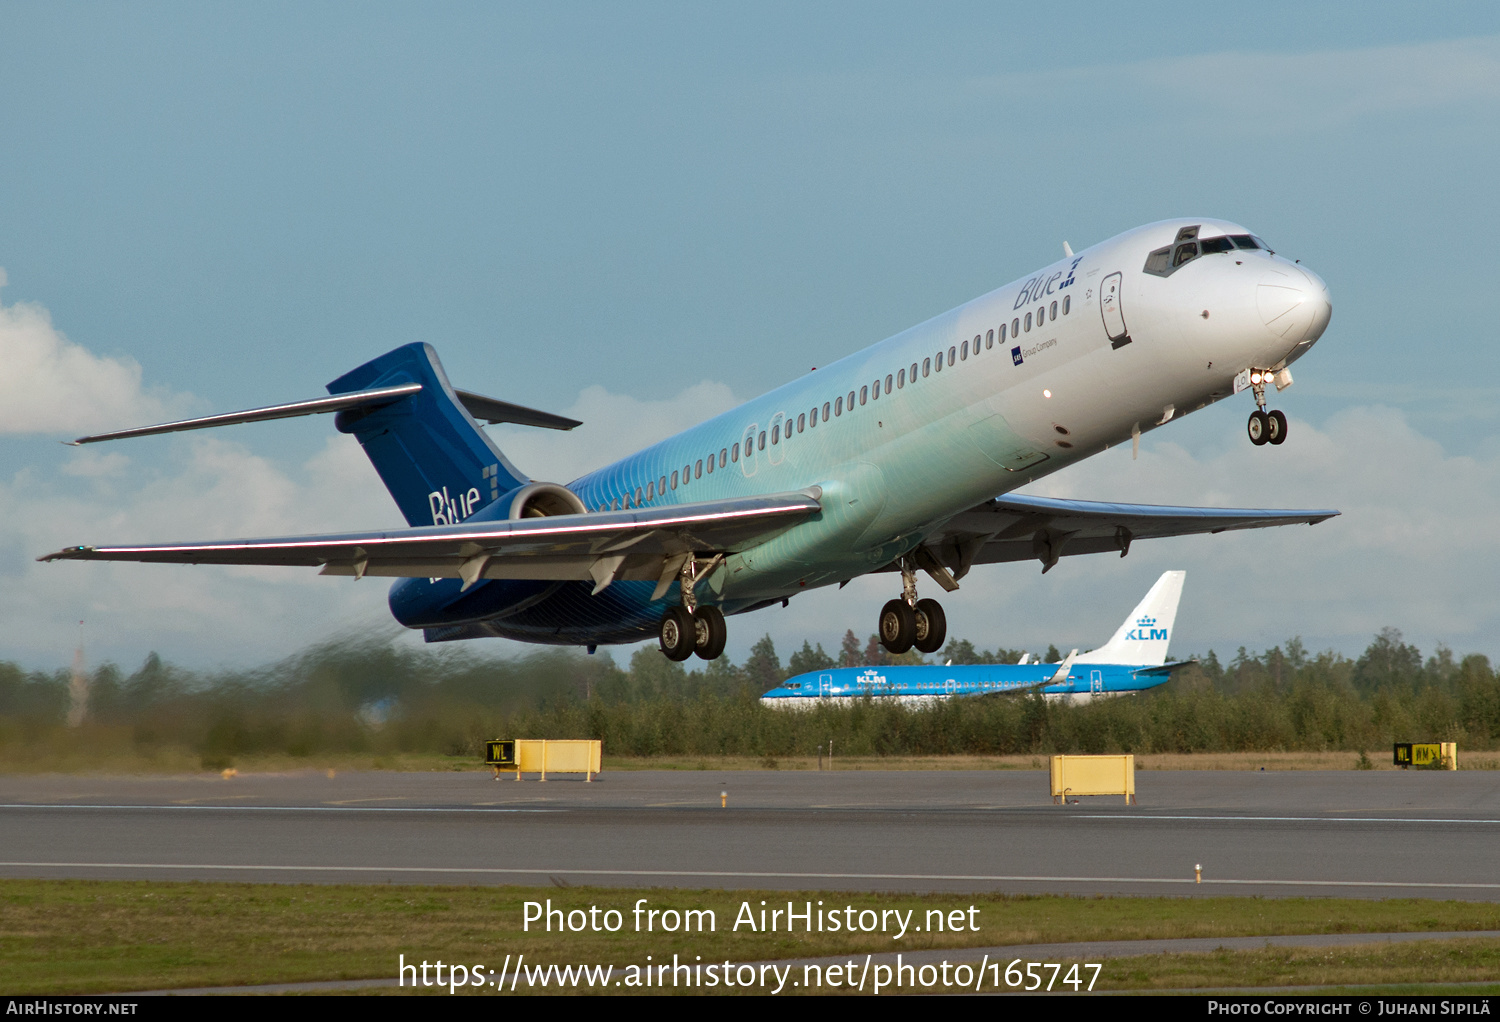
487	409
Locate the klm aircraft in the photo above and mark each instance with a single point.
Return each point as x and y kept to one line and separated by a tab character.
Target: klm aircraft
900	458
1133	660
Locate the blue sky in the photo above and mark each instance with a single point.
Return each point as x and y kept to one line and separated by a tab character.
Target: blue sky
638	214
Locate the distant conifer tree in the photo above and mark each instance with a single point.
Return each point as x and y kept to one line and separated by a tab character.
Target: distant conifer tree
849	652
764	666
808	659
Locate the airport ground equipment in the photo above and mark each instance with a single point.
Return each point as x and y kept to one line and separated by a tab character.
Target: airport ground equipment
538	755
1093	775
1427	755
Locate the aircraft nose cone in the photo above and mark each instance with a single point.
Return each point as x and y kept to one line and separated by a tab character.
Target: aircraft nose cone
1322	306
1294	307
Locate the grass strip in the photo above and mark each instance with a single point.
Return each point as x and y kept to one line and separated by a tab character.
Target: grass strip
78	936
180	760
1429	966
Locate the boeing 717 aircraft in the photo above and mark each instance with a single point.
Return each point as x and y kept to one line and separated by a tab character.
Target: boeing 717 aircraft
1133	660
899	458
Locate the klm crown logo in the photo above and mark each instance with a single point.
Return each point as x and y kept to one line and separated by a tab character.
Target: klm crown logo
1145	630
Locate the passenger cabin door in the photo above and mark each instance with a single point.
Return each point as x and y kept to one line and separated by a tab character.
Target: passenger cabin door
1114	315
1096	682
949	686
825	684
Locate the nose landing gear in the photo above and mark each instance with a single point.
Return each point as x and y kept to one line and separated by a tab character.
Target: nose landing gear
909	622
1265	427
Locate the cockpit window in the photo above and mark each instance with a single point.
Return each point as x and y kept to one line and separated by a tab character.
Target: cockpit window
1187	246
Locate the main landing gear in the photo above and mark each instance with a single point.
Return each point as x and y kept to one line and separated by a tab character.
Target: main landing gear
909	622
685	632
690	629
1264	427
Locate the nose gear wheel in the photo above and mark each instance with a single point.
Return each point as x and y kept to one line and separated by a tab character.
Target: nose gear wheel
1276	427
1259	427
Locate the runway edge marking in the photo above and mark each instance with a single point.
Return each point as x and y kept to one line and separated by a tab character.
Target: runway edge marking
728	874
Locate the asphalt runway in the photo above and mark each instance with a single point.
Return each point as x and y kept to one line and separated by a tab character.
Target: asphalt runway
1348	834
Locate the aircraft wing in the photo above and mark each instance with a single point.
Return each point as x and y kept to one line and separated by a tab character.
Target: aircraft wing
644	543
1167	669
1021	528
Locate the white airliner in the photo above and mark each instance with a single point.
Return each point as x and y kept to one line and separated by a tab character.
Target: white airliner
899	458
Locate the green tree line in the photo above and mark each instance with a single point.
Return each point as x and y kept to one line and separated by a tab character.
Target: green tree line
372	695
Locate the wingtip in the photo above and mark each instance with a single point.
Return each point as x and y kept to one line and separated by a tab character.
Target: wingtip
66	553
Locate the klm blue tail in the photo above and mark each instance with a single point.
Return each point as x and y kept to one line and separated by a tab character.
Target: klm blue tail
438	464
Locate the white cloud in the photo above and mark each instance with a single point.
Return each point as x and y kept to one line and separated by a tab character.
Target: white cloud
206	488
48	384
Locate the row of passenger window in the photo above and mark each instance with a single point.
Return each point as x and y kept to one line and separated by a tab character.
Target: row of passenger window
829	410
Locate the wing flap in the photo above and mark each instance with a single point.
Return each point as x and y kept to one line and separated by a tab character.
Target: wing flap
1021	528
565	547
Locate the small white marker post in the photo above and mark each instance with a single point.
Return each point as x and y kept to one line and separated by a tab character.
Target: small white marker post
1198	872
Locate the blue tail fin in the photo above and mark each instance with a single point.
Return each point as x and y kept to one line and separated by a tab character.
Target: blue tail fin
433	457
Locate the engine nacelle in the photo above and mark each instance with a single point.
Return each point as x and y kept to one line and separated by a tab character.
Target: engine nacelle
543	500
424	603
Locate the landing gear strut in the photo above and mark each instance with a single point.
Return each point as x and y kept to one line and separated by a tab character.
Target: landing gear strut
1264	427
909	622
690	629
